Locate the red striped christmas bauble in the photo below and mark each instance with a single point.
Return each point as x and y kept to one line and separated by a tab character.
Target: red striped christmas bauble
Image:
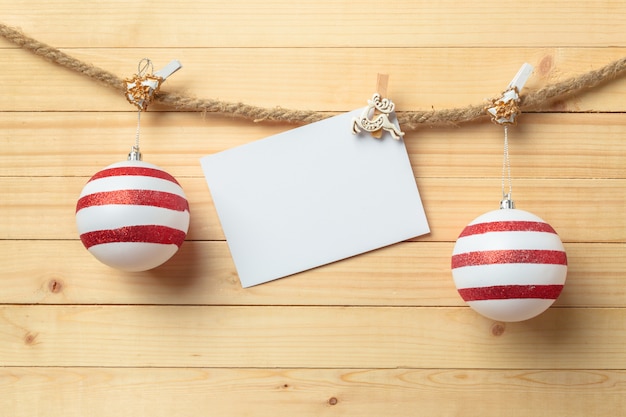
509	265
132	216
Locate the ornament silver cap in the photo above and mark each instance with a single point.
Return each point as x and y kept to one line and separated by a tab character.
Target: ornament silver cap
507	203
134	154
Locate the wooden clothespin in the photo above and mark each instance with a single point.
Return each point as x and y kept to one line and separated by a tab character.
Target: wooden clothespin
381	84
382	80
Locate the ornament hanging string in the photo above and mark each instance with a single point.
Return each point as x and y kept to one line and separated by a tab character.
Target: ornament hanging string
506	166
410	120
142	68
136	146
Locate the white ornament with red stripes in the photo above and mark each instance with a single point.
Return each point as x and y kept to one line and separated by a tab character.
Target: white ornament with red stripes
509	265
132	216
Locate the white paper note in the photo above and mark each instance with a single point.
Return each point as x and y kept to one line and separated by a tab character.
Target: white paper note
311	196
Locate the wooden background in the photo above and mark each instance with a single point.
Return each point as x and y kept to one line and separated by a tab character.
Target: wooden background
382	334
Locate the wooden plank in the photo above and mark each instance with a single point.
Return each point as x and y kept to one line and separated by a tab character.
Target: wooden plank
541	146
100	392
320	23
327	79
79	143
569	205
203	273
308	337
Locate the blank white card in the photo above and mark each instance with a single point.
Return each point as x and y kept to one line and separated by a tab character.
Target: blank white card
311	196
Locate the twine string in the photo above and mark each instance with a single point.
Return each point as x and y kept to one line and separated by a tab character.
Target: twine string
410	120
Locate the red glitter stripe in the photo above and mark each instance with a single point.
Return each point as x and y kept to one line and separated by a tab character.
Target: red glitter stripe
509	226
134	197
503	292
512	256
144	234
137	171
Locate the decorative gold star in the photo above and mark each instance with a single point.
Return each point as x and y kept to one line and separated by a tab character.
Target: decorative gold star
504	110
139	93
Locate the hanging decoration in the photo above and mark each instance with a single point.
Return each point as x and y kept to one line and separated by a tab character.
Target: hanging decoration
132	215
378	116
375	118
508	264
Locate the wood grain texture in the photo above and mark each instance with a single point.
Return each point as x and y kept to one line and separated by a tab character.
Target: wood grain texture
381	334
321	23
450	205
327	79
203	273
74	144
74	392
309	337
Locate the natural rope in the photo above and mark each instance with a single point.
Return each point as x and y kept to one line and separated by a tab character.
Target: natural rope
410	120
